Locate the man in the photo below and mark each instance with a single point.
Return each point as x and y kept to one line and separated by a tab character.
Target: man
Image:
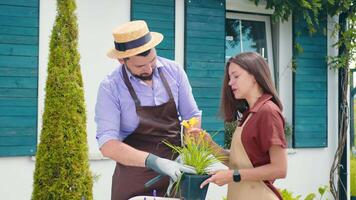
137	108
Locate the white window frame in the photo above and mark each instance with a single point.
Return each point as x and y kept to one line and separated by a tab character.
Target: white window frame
260	18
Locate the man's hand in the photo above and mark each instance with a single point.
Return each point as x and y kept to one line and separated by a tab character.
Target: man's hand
167	167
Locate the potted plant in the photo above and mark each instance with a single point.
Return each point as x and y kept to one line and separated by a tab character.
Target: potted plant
198	153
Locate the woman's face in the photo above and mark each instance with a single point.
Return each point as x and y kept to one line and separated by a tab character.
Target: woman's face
241	82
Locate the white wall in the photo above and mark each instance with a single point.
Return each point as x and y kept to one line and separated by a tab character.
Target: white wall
308	168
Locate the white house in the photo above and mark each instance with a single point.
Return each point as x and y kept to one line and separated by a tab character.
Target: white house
199	35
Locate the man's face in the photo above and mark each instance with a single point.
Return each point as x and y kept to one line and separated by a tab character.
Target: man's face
142	66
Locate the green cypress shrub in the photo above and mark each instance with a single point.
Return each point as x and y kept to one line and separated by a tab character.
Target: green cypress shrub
62	166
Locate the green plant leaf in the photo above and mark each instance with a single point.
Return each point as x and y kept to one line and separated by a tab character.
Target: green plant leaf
310	196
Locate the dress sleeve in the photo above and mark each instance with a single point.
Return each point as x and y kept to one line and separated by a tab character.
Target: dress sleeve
271	129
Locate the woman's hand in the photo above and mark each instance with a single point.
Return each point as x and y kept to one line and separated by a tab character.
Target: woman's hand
220	178
196	133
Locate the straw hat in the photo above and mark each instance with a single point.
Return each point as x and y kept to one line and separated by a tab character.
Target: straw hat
133	38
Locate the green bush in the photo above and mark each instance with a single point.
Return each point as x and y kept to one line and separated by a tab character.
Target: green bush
287	195
62	167
229	131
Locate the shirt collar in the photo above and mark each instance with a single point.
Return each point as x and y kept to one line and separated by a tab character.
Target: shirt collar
259	103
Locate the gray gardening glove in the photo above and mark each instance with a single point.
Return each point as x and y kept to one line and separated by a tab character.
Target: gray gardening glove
167	167
215	166
171	182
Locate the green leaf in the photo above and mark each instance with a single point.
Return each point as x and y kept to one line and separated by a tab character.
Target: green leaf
310	196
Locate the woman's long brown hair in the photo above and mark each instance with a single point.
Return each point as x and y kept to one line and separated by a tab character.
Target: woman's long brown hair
255	65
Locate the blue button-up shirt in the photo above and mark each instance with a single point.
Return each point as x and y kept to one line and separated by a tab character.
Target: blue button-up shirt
115	112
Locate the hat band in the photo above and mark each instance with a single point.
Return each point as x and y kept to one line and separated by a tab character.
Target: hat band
133	44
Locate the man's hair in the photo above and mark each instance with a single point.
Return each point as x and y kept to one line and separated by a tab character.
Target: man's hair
143	54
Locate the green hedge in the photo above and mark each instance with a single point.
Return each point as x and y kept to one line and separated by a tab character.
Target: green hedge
62	167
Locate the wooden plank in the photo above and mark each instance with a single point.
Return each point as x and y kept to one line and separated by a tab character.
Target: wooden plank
30	3
19	39
311	113
313	55
191	33
19	11
18	101
13	30
18	50
18	111
155	16
18	131
17	141
204	41
311	127
207	102
19	61
208	49
17	150
19	72
310	142
311	86
216	4
165	53
18	121
155	2
203	73
14	92
206	19
167	10
204	26
20	21
311	63
206	92
300	102
205	11
316	94
200	65
310	120
311	78
311	71
207	57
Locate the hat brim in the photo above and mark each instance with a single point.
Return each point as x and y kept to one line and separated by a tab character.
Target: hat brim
155	40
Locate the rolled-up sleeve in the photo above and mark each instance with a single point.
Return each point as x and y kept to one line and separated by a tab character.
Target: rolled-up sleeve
186	103
271	129
107	114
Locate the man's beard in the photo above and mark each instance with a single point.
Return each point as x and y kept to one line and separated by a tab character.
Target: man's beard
144	78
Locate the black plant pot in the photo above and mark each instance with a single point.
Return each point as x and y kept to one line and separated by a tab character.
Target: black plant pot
190	187
353	197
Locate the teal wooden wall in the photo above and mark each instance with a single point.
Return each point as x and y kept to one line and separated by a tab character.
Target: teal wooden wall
160	17
205	58
310	86
19	21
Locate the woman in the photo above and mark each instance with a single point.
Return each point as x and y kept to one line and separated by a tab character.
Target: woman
257	155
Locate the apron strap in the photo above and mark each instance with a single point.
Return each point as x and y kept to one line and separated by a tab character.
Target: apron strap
129	86
165	83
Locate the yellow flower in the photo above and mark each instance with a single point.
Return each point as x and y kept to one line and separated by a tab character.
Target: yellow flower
185	124
193	121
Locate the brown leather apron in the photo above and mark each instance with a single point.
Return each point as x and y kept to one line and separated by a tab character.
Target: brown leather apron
156	124
251	190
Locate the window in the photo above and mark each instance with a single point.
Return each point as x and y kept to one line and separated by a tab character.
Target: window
246	32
